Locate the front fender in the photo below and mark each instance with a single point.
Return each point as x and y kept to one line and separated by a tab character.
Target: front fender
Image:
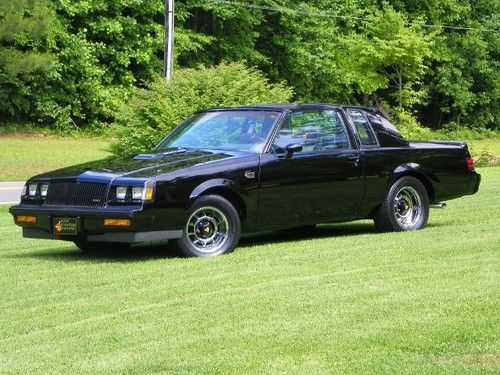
210	184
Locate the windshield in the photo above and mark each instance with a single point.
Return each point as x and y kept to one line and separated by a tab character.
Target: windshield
224	130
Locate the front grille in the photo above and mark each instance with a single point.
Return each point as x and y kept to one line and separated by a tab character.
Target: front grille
76	194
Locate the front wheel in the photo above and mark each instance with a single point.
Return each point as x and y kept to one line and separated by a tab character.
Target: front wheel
405	207
213	227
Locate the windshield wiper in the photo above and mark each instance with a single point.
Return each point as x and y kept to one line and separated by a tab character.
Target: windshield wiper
159	155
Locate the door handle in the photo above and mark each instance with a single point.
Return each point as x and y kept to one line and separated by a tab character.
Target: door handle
354	160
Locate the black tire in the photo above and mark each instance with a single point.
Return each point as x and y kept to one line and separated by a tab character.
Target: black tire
405	207
213	227
94	247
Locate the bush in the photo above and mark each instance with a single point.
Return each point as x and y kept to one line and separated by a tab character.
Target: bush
409	126
411	129
154	111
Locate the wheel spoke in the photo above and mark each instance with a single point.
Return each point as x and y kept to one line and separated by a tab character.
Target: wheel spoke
407	206
207	229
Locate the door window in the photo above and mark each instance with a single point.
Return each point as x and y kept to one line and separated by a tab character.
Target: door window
314	130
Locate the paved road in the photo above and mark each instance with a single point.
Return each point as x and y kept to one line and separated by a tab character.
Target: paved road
10	192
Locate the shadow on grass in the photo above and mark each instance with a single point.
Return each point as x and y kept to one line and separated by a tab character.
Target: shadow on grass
162	250
136	253
306	233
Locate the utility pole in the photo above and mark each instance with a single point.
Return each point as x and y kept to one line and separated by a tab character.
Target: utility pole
168	57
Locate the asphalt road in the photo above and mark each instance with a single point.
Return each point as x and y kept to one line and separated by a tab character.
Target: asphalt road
10	192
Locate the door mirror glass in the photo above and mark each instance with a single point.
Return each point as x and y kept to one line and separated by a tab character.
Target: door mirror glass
293	147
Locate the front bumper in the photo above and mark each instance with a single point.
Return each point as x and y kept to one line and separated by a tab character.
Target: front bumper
123	237
145	225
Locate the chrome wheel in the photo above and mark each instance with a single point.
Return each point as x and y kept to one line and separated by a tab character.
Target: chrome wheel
407	207
207	229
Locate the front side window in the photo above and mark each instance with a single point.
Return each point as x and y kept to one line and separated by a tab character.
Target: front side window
314	130
224	130
362	128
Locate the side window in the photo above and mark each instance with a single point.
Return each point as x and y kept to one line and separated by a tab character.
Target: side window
363	129
387	134
314	130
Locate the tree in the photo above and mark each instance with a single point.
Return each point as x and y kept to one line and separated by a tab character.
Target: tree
391	55
24	25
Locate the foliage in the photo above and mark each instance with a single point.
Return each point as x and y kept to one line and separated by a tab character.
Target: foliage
24	32
89	55
465	83
409	127
390	56
153	111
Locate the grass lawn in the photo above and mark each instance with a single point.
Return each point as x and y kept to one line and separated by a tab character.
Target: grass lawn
346	300
22	156
491	146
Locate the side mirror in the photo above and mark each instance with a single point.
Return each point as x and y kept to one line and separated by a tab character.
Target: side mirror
293	147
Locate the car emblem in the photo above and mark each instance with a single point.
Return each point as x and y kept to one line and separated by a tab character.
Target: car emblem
249	174
58	226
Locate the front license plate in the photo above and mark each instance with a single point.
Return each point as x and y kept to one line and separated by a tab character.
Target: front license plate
66	225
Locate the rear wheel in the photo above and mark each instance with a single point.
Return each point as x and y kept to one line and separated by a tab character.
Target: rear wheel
213	227
405	207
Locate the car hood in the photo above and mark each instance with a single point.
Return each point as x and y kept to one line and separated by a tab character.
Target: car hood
146	165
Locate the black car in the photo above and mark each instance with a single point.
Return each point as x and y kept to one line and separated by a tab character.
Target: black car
245	169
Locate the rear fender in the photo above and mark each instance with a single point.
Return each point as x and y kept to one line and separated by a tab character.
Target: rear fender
428	179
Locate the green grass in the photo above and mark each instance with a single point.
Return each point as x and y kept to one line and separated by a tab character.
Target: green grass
347	300
491	146
25	155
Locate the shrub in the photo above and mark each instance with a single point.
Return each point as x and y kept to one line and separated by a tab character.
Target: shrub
152	112
409	126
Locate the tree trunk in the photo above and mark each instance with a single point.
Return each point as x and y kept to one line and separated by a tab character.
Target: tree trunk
400	86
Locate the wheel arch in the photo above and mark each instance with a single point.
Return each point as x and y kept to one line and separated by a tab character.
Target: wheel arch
418	172
224	188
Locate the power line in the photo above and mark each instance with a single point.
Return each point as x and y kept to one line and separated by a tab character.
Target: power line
330	15
286	10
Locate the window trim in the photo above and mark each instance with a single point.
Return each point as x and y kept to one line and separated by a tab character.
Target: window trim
369	128
288	113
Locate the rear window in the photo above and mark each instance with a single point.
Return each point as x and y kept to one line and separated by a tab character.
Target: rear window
388	135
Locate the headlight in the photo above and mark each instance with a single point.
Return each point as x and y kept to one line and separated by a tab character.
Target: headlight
137	193
121	192
43	190
134	194
32	188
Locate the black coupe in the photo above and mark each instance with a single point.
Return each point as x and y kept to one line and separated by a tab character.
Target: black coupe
232	170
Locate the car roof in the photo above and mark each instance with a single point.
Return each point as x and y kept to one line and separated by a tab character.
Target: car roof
289	107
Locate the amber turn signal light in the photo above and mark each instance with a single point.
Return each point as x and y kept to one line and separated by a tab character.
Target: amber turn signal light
26	219
148	194
117	223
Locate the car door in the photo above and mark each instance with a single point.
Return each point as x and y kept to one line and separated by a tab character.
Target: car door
323	182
